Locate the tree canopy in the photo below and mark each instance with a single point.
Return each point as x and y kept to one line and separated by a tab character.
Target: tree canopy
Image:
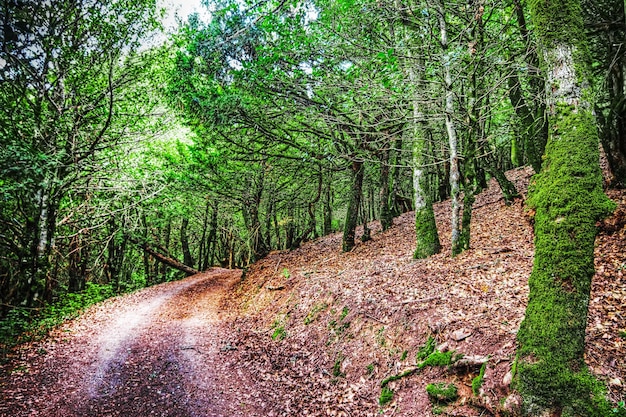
126	163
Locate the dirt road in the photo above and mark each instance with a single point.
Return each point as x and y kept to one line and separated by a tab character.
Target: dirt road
157	352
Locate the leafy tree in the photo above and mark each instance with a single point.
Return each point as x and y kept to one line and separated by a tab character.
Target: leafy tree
68	88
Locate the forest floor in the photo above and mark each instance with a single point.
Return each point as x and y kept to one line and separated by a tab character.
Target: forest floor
315	332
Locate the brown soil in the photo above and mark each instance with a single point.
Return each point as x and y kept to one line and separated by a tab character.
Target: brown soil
157	352
314	331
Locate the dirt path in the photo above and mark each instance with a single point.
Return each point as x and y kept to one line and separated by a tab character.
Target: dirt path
158	352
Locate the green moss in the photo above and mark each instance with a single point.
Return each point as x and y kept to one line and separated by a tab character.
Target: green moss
424	351
440	359
568	198
426	233
386	395
478	381
442	392
557	22
387	380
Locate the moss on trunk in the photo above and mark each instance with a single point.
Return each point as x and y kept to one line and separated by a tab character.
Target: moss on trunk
426	231
568	198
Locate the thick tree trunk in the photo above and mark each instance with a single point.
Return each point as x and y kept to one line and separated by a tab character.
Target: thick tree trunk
354	202
568	199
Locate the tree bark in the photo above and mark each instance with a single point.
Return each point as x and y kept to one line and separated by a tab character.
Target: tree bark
455	192
568	198
386	214
352	215
167	260
184	242
426	234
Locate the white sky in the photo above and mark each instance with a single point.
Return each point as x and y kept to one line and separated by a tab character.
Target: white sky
182	9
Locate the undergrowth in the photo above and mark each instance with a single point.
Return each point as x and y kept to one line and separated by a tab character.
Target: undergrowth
25	324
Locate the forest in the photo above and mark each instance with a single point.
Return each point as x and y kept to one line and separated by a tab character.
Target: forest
130	157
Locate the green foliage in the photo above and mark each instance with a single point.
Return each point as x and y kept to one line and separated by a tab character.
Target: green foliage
339	327
337	367
386	395
437	410
279	333
619	409
344	313
370	368
425	351
286	273
404	355
477	382
22	324
442	392
314	313
278	327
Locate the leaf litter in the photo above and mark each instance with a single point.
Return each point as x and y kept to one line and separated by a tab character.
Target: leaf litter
314	331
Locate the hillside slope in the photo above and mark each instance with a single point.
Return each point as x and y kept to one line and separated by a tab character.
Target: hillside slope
319	330
315	331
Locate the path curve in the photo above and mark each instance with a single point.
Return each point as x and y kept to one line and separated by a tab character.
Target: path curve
156	352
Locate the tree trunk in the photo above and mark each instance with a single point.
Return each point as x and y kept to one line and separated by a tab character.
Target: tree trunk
167	260
184	242
386	214
426	234
328	212
533	128
509	192
396	207
211	241
551	373
203	248
77	264
354	202
455	192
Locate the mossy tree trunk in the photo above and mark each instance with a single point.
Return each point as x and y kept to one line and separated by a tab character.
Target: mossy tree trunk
426	235
568	198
